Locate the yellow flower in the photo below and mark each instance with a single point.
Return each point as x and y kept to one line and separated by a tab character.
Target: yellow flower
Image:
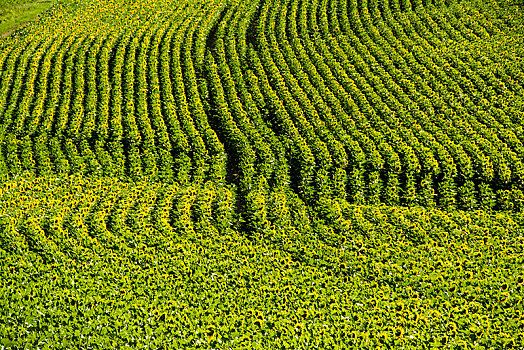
399	333
210	331
399	307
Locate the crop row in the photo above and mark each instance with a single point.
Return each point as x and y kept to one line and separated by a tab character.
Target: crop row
370	101
109	100
381	105
92	262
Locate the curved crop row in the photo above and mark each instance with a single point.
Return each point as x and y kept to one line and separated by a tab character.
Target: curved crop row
160	265
371	101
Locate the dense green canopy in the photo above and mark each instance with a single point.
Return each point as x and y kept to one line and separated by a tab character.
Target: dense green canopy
263	174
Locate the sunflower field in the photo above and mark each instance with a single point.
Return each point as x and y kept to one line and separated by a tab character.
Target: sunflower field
263	174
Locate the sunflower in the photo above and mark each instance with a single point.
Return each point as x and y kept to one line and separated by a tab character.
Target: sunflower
478	332
210	331
452	329
399	307
444	340
382	338
283	331
373	303
520	279
399	333
299	329
258	322
303	313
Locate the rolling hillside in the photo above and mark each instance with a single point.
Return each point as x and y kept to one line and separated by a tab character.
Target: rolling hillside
263	174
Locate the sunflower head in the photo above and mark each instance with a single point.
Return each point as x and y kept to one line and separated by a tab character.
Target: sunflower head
399	307
452	329
258	322
444	340
478	332
399	332
520	279
299	329
210	331
383	337
303	313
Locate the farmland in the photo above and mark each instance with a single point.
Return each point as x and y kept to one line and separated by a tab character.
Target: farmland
15	13
263	174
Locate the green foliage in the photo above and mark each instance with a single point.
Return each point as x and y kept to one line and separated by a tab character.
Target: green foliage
106	263
14	13
263	174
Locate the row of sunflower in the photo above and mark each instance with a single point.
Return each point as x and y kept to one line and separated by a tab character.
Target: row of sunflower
91	262
366	102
